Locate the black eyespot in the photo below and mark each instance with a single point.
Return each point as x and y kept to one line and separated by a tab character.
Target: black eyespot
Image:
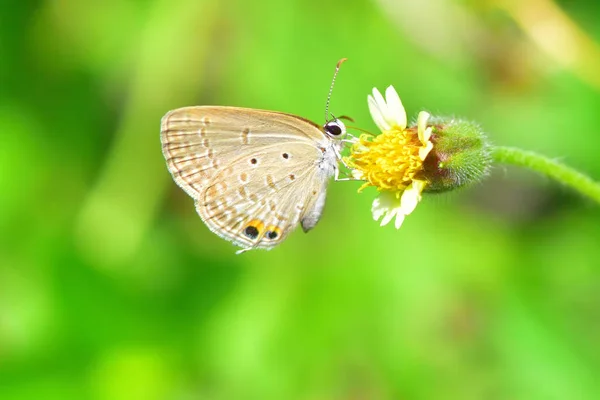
254	161
335	128
285	155
251	232
272	235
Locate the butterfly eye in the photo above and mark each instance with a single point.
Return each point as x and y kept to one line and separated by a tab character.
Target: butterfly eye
335	128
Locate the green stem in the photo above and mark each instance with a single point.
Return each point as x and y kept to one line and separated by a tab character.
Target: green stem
551	168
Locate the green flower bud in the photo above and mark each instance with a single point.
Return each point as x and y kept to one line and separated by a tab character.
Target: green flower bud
461	155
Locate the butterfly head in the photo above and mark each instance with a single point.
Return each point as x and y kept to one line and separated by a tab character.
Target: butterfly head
335	129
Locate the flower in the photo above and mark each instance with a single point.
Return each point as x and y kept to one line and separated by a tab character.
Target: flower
393	161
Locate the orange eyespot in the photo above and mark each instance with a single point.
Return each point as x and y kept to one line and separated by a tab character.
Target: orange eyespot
273	232
254	228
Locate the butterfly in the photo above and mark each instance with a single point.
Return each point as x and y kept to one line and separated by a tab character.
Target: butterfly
255	175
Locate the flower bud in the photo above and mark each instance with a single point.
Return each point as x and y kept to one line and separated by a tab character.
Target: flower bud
460	155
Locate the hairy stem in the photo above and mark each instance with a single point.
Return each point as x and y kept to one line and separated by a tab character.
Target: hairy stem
551	168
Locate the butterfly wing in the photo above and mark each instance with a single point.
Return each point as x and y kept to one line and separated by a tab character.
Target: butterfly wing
258	205
254	174
199	141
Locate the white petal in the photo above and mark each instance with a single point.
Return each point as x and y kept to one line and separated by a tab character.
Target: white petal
422	126
377	210
423	151
396	113
426	136
385	202
411	197
377	115
380	101
388	206
384	108
387	218
419	185
399	220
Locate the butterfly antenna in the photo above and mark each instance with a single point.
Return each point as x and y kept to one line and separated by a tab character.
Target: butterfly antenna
337	68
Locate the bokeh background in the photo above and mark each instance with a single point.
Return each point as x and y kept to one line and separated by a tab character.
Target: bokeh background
112	288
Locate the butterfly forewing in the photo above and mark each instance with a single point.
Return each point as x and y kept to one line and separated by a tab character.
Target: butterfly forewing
198	141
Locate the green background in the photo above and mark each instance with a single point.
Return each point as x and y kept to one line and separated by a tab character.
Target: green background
112	288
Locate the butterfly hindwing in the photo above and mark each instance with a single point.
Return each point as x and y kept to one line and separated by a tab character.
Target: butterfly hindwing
260	197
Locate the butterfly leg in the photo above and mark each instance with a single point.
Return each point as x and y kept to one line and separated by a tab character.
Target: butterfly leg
349	138
348	179
337	178
339	157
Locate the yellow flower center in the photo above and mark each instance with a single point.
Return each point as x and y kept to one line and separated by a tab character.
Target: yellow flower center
388	161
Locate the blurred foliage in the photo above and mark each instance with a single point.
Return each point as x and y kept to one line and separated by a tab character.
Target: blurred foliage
112	288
